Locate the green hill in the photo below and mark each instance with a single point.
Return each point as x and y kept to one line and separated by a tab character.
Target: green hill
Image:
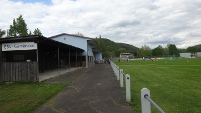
198	47
112	49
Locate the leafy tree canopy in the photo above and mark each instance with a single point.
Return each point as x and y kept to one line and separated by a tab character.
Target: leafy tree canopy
192	49
158	51
144	51
198	47
19	28
173	51
37	32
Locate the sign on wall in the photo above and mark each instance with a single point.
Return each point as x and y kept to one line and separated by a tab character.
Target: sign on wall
19	46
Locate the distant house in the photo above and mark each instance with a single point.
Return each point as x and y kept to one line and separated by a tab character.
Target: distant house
190	55
198	54
185	55
126	56
85	43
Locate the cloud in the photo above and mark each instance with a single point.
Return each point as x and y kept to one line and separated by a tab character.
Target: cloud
136	22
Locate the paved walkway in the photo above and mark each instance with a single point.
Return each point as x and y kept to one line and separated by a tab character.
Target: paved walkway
95	91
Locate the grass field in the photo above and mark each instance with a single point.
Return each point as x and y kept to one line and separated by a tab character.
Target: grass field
26	97
175	85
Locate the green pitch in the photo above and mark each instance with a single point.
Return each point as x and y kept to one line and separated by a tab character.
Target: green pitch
175	84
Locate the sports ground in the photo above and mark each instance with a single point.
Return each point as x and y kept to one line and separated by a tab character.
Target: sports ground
175	84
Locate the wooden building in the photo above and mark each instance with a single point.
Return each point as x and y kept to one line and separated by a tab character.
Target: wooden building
23	58
126	56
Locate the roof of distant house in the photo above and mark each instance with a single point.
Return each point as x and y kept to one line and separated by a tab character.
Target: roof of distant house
71	35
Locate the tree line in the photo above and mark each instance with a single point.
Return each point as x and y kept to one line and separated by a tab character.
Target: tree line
169	51
113	49
19	28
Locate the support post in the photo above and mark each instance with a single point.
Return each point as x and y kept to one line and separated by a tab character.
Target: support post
117	72
69	58
58	58
128	89
146	108
121	78
37	52
76	58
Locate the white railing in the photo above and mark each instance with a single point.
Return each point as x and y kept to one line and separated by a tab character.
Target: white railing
120	76
146	100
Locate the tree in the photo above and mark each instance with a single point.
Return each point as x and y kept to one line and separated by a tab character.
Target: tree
121	50
192	49
37	32
101	46
144	51
30	33
158	51
2	33
173	51
19	27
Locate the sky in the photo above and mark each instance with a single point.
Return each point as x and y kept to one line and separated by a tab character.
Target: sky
135	22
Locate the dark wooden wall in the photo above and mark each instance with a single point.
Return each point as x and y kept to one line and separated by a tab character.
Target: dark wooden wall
19	71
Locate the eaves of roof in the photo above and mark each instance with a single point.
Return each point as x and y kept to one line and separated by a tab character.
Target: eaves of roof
88	38
35	38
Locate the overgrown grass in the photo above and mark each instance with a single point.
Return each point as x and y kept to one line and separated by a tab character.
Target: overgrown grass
26	97
175	85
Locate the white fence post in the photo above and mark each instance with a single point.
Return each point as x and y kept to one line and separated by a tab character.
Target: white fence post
128	89
115	70
146	108
117	73
121	78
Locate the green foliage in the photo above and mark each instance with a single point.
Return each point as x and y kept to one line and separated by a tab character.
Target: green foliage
37	32
198	47
112	49
144	51
19	27
26	97
182	50
192	49
2	33
158	51
129	48
174	84
30	33
173	51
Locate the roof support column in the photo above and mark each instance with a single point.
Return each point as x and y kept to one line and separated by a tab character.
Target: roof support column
58	58
37	52
76	58
69	57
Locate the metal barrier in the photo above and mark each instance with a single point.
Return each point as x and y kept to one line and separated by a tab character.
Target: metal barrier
120	76
146	100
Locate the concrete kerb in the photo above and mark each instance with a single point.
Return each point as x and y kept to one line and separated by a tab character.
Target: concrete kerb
51	74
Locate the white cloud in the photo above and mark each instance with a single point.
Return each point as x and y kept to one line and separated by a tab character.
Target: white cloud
136	22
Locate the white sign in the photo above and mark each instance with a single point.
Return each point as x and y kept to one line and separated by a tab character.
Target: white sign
19	46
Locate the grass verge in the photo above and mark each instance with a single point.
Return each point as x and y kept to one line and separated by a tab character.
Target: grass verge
26	97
